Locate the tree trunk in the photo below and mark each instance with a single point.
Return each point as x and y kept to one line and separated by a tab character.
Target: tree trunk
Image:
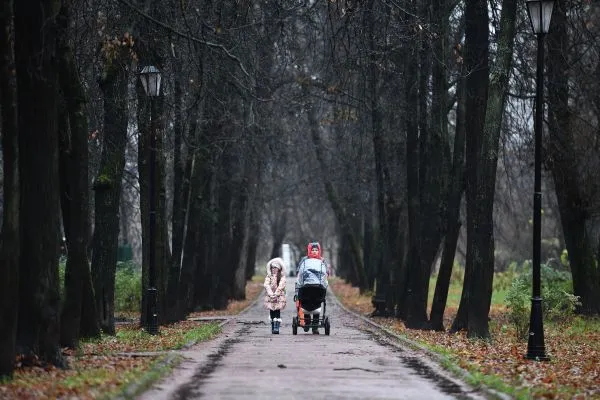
180	199
192	241
334	200
74	185
252	246
221	261
412	192
482	154
108	190
239	232
384	263
453	184
483	272
9	239
454	194
278	229
563	164
480	255
39	297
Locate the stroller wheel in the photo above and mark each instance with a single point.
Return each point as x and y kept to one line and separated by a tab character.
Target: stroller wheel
327	326
294	326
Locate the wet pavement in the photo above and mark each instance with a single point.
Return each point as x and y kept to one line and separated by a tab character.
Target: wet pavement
356	361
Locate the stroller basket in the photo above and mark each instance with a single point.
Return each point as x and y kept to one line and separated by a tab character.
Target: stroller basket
310	298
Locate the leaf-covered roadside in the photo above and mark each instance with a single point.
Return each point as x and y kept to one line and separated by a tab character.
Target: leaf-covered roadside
572	373
103	368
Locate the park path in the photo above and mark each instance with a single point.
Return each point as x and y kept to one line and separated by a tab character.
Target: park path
356	361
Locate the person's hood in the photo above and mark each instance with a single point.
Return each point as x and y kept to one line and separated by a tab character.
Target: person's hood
310	246
279	261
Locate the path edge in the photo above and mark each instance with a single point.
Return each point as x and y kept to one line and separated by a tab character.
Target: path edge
165	364
444	362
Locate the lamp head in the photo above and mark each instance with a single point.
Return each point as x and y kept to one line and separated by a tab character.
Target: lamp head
540	12
151	79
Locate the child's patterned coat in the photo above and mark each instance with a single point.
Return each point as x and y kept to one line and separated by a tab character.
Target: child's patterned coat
275	292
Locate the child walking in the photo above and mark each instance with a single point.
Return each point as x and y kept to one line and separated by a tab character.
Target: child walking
275	292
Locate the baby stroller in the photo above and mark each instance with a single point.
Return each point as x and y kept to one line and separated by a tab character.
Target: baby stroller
311	303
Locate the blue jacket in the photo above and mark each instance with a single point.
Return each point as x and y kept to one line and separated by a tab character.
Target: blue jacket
312	271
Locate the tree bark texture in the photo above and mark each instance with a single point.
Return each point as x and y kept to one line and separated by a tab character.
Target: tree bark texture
253	239
9	238
480	245
453	224
407	312
483	271
108	190
39	300
562	160
180	197
453	171
74	192
192	240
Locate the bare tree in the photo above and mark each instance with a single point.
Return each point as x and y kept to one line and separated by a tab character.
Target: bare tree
37	81
10	236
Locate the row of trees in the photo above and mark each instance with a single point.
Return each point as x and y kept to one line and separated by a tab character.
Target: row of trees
359	124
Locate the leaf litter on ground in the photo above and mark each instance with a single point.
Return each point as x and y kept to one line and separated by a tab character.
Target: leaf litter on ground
98	368
101	368
573	371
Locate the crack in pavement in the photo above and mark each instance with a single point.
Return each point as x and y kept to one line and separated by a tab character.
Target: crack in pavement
357	368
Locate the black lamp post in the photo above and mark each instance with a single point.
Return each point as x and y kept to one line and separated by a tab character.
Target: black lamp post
539	12
150	77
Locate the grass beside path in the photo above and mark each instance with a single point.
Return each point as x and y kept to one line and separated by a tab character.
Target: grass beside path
573	371
106	368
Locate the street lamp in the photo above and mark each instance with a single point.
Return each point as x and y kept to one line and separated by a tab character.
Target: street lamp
151	79
539	12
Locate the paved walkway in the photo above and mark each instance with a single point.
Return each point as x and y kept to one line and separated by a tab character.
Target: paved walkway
355	362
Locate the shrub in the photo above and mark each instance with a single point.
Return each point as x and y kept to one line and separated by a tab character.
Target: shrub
128	287
518	301
558	303
504	280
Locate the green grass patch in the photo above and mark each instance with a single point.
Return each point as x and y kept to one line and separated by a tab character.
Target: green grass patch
175	338
454	292
577	326
160	368
130	338
496	383
499	297
98	377
201	334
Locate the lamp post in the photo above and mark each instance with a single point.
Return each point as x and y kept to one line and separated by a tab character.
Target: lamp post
539	12
151	79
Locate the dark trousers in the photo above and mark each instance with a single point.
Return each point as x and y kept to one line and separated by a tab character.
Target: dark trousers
275	313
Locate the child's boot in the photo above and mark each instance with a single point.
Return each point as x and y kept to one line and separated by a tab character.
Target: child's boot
273	325
276	326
